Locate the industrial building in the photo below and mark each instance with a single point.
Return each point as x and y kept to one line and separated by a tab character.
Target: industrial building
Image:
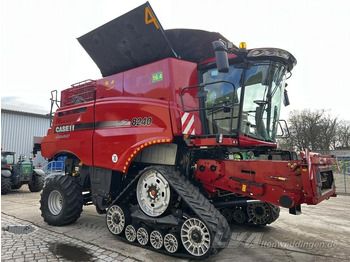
19	126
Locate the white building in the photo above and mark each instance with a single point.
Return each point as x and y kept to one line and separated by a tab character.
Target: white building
19	126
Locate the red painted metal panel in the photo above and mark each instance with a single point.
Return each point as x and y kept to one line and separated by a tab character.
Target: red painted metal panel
262	179
71	132
124	124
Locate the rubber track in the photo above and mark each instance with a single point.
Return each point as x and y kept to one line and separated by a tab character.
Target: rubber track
126	191
213	219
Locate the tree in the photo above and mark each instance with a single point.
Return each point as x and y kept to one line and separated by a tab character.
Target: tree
315	130
343	135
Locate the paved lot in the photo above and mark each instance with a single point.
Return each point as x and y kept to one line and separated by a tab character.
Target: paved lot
322	233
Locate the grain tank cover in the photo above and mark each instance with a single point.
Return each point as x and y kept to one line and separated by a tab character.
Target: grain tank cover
137	38
192	44
131	40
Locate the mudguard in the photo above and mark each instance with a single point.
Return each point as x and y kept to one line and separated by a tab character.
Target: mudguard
39	172
6	173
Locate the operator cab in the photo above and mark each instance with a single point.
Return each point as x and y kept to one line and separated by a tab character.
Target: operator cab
244	98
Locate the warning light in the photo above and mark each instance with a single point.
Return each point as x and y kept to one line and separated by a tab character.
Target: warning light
243	46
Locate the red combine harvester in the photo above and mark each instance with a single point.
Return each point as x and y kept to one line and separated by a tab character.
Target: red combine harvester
178	139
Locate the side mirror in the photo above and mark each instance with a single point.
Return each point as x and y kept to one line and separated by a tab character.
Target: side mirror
221	56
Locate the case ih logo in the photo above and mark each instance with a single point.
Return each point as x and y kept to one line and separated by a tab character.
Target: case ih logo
62	129
187	121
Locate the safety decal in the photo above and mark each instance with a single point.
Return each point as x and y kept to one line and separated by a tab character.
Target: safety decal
157	77
109	85
187	121
114	158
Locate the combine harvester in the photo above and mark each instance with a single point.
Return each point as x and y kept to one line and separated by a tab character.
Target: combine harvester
178	139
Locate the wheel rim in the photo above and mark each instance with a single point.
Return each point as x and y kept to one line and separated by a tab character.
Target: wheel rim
115	219
228	214
259	213
170	243
195	237
153	193
55	202
156	239
239	216
142	236
130	233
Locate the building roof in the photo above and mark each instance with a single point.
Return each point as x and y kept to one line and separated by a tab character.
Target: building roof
23	109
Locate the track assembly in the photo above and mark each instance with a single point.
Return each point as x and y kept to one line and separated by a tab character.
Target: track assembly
165	227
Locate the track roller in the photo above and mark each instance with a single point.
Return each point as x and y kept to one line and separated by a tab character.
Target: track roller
239	216
142	236
156	239
195	237
117	217
228	214
130	233
171	243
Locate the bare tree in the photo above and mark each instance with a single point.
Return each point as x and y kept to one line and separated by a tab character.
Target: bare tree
312	129
343	135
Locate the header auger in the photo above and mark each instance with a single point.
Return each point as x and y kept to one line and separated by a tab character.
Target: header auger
178	139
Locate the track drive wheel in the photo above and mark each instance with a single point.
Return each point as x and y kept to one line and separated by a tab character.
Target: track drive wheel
61	201
195	237
153	192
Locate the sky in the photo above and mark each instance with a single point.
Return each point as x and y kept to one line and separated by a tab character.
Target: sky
39	51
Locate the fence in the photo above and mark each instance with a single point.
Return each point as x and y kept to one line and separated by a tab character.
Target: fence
342	178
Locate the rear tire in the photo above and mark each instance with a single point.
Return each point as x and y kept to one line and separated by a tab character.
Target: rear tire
61	201
5	185
37	183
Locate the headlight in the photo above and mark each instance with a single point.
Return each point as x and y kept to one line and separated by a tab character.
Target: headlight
269	52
